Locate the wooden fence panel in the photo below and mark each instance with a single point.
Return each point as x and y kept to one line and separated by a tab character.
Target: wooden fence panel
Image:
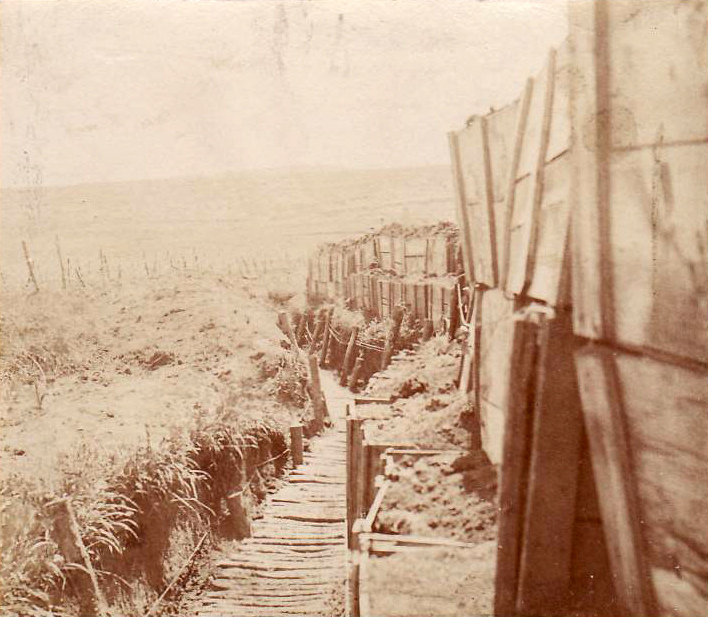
397	255
640	222
414	252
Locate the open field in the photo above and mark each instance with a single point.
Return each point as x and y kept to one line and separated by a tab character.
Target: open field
212	221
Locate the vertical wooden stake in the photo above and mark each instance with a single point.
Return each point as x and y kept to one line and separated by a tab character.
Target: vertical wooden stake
318	329
30	267
67	534
318	399
392	337
61	263
296	449
325	337
348	356
284	323
354	378
353	463
428	329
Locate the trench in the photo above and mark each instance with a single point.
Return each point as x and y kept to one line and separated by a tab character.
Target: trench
297	548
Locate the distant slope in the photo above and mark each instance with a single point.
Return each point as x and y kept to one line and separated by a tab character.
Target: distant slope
222	216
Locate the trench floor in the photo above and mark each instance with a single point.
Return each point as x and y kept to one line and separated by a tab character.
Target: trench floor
298	547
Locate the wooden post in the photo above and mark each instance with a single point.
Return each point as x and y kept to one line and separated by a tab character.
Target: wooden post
284	323
349	354
428	329
354	378
318	399
325	337
30	267
392	337
67	535
300	332
318	329
61	264
296	450
354	572
353	462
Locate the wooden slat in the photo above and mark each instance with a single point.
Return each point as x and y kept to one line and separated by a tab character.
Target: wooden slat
586	113
525	214
667	425
461	201
514	469
520	131
549	518
479	200
605	422
550	280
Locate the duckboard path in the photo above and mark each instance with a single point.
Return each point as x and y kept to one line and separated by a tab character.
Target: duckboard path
298	547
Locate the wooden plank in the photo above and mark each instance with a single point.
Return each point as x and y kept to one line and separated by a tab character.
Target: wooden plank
605	422
659	250
550	280
639	268
461	200
496	342
514	468
520	131
479	200
667	425
501	125
658	71
549	519
524	214
559	135
587	114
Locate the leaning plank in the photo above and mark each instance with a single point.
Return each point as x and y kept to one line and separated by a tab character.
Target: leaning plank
514	467
605	423
545	566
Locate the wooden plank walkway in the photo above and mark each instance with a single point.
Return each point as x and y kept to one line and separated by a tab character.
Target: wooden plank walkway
298	547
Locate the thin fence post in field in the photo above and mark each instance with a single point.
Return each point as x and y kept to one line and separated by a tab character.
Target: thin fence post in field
68	270
30	266
78	276
61	263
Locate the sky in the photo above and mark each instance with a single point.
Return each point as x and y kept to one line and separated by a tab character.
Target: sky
120	90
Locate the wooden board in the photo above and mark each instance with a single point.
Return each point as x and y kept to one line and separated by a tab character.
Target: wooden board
550	278
479	199
550	509
640	231
658	69
463	219
496	339
501	126
612	458
524	215
666	407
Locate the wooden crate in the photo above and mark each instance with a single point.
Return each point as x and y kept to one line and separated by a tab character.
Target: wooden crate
640	175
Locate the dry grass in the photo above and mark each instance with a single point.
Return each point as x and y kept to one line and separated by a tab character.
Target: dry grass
144	482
